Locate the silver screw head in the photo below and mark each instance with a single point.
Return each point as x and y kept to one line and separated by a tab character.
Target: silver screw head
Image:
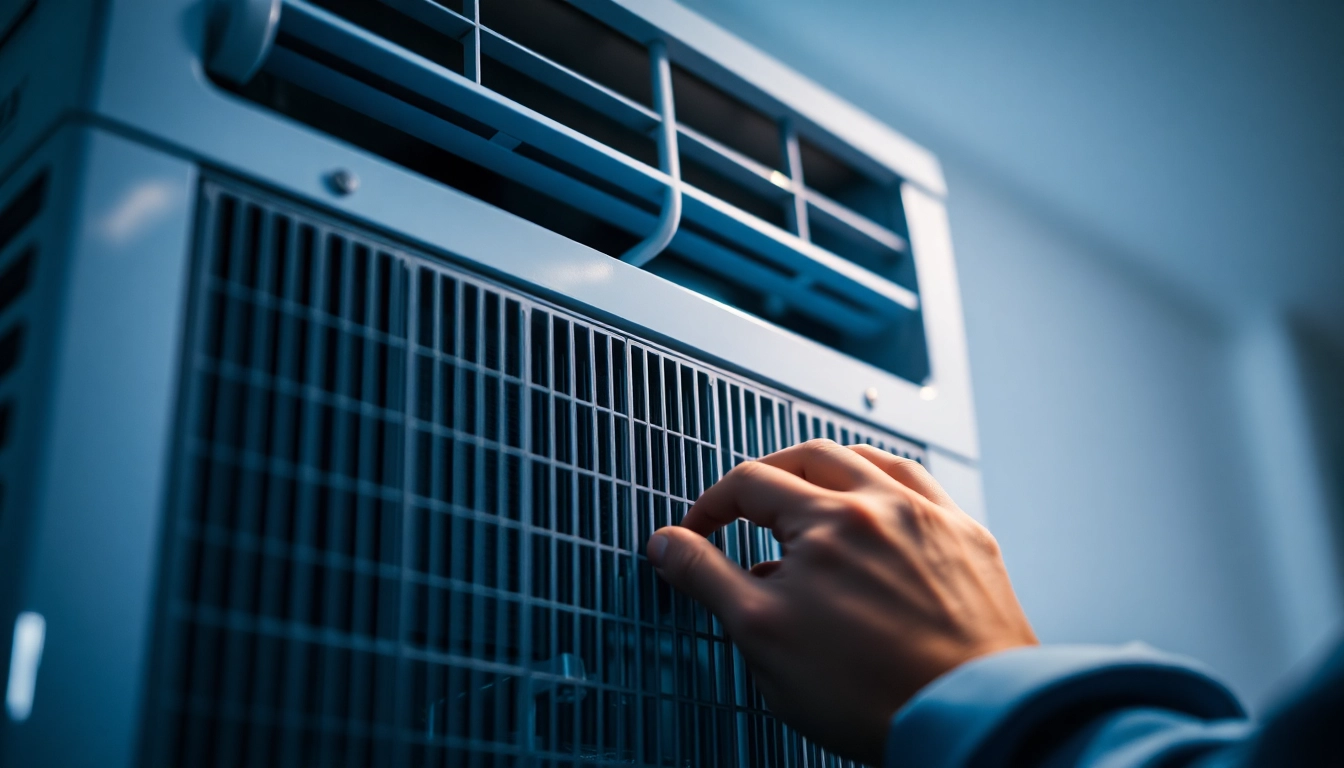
870	397
343	182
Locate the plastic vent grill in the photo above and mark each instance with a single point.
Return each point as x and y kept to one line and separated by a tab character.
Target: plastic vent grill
548	110
411	514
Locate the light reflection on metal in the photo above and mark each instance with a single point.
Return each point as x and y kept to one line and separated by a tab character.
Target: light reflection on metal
30	632
669	161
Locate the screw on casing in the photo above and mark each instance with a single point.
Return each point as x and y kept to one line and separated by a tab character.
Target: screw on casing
343	182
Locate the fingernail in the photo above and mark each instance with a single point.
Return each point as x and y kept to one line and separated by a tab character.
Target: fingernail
655	549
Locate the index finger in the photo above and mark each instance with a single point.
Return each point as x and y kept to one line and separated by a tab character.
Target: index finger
765	495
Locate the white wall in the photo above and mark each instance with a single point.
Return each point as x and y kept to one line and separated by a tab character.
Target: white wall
1114	473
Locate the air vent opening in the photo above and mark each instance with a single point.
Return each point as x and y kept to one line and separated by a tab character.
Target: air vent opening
688	274
11	344
899	349
726	119
385	21
842	182
6	422
11	30
699	259
881	253
767	207
445	167
569	37
22	209
275	93
15	278
747	217
536	95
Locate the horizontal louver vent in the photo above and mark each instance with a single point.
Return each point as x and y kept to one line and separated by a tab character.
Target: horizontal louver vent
18	260
411	520
546	111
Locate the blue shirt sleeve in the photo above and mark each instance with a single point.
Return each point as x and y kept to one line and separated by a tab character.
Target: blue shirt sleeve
1067	706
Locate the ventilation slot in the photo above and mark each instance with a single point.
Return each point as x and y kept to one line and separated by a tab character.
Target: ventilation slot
814	423
546	111
22	210
10	344
16	278
412	514
854	210
16	273
6	417
11	30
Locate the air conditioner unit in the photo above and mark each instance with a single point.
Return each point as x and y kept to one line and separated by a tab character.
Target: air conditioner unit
350	349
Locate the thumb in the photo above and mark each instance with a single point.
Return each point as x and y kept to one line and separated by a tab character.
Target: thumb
689	562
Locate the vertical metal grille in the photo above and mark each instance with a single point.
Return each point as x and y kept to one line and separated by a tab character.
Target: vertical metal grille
812	423
411	514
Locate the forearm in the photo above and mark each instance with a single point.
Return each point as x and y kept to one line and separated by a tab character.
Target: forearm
1077	706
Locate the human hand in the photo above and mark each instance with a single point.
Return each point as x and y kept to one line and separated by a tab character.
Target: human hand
884	585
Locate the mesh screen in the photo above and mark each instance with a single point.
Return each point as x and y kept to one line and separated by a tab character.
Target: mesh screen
411	511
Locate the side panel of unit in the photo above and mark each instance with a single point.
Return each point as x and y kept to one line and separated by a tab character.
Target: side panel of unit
45	50
101	447
35	209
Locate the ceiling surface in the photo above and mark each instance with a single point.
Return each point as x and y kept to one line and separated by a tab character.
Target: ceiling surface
1200	142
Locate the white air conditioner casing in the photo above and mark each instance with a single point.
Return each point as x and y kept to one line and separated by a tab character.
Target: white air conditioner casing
293	305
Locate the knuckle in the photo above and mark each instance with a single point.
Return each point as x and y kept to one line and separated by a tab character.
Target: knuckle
858	514
983	540
822	544
914	513
755	618
819	445
745	471
911	466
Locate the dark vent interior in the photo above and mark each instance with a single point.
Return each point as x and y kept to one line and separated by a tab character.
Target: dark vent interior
554	104
16	272
411	516
21	211
384	20
450	169
842	182
712	111
568	36
11	343
573	147
15	278
6	417
11	29
18	258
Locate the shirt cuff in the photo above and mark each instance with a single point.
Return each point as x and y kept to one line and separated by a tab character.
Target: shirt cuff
991	706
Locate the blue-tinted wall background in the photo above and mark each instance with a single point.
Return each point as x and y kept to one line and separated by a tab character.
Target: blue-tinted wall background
1147	203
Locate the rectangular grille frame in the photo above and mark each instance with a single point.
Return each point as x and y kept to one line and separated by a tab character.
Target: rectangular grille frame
364	461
